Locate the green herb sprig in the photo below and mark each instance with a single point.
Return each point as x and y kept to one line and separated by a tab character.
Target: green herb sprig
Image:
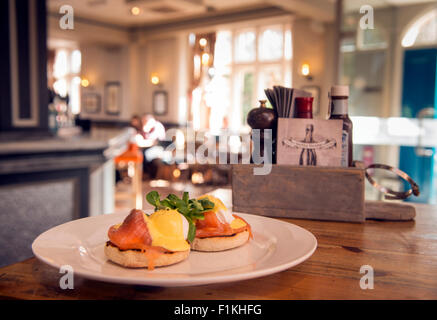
191	209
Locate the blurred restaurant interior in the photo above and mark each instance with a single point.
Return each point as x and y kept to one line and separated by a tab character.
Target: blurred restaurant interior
101	99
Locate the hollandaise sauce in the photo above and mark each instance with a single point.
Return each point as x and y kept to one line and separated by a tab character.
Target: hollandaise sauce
248	227
168	230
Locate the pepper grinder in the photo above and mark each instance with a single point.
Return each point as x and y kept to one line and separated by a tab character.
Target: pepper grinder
263	118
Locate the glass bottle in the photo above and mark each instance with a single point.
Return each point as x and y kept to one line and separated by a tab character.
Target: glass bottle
339	110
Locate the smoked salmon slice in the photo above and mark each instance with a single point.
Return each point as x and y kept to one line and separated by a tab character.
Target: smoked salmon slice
212	227
132	233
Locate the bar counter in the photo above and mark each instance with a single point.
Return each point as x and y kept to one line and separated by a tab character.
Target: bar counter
46	181
402	254
29	153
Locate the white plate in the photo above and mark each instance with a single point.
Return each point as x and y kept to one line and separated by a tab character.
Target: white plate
276	246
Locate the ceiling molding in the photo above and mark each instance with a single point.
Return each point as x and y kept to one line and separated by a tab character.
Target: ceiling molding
78	18
221	13
322	10
211	19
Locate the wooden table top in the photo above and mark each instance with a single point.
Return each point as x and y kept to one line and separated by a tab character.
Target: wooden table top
402	254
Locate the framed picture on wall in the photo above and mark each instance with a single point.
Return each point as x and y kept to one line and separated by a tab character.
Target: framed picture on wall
315	92
91	102
160	102
112	98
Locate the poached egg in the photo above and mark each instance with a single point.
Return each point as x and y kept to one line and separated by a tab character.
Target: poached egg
168	229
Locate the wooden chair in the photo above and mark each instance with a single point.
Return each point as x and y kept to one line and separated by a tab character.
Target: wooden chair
133	159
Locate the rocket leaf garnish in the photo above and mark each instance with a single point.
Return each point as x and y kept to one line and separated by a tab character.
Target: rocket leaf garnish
191	209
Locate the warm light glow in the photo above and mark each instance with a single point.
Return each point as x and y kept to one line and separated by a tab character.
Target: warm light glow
84	82
197	178
176	173
131	169
159	183
205	59
195	107
180	139
154	78
60	68
305	69
197	66
234	144
203	42
76	61
135	11
75	95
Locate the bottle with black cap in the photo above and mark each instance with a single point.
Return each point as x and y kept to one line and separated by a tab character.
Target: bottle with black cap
339	110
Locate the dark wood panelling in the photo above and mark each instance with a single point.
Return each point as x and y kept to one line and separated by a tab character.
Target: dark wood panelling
23	48
5	83
23	59
42	64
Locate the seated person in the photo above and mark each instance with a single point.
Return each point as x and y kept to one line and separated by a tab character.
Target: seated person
135	123
151	132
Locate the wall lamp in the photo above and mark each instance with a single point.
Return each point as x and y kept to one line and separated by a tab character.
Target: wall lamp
84	82
154	78
305	71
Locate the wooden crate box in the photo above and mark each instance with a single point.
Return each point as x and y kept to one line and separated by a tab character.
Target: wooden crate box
319	193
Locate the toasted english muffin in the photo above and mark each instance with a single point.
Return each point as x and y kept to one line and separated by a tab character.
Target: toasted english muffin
220	243
138	259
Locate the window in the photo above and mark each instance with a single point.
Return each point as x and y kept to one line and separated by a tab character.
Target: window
245	46
66	71
246	61
364	39
271	44
371	38
363	59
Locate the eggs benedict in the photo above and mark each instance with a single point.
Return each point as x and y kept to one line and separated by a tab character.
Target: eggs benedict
211	226
219	229
155	240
